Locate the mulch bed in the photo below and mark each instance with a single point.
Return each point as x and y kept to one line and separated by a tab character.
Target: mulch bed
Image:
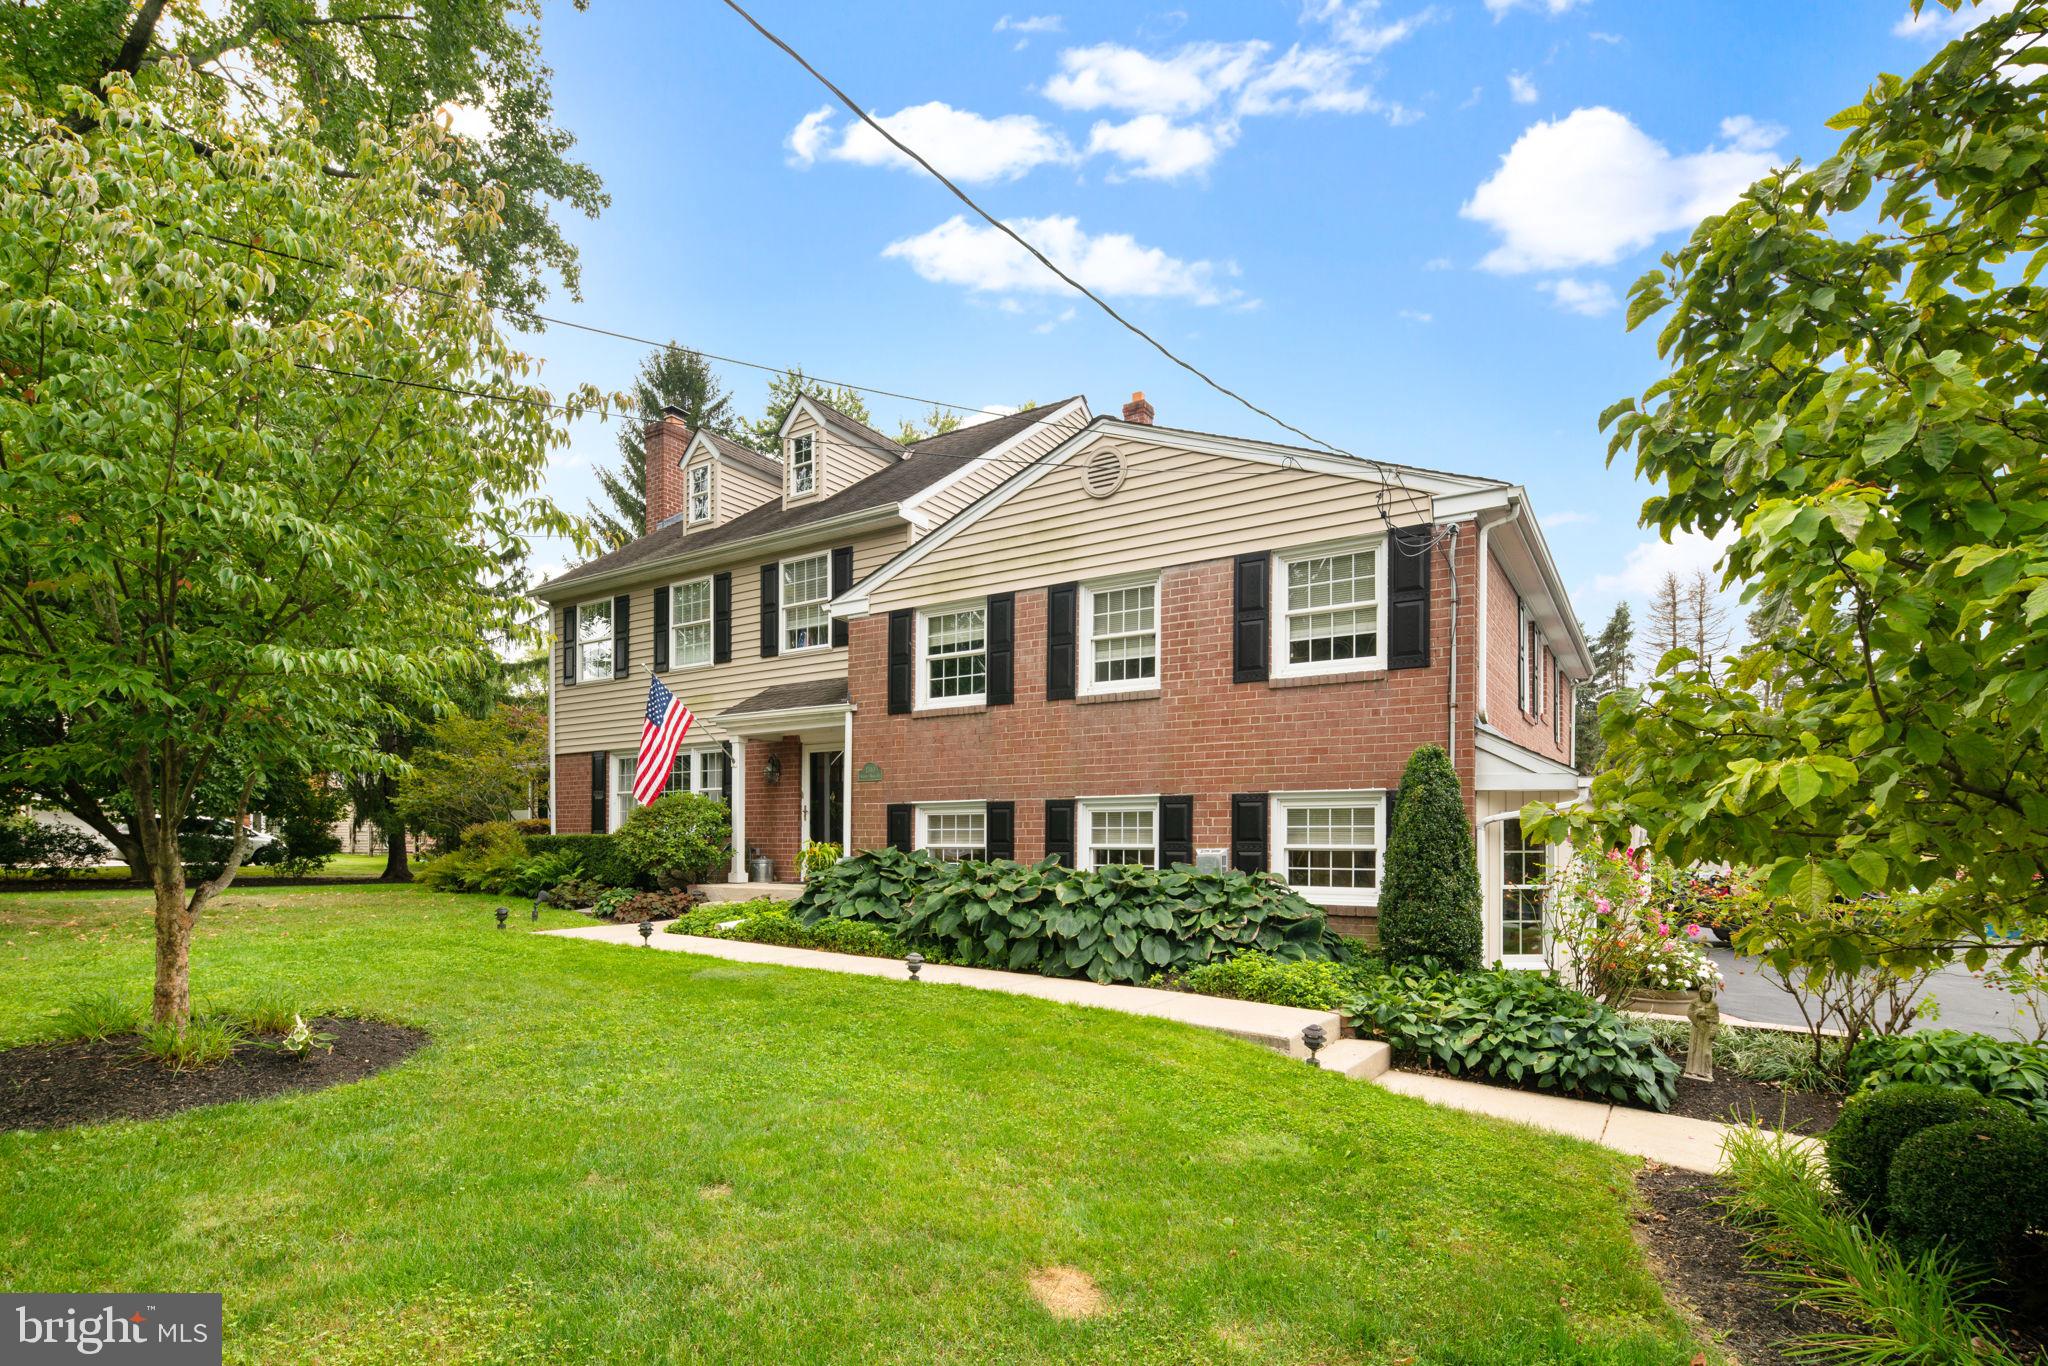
1735	1100
54	1086
1701	1261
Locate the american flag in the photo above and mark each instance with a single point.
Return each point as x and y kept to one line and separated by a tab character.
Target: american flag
667	721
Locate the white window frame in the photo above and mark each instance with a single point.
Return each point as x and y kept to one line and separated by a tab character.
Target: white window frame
621	804
925	700
1282	666
583	674
676	624
1279	805
1540	958
690	493
1085	629
697	759
783	605
807	442
926	810
1084	824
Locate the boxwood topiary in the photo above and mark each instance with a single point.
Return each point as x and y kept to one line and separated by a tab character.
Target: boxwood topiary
1429	897
1873	1125
1977	1186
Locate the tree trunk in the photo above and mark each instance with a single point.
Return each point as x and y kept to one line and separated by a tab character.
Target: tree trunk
396	868
172	1003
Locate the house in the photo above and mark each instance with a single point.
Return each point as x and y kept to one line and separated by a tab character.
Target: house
1118	642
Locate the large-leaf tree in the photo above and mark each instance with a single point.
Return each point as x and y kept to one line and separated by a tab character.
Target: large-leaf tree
1856	387
262	450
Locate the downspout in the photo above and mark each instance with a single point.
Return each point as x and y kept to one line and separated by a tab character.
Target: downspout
1485	577
554	670
1451	691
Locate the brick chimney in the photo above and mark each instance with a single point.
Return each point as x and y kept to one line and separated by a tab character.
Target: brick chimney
667	437
1138	410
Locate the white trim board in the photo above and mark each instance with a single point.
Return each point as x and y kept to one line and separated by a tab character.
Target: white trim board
913	506
1501	765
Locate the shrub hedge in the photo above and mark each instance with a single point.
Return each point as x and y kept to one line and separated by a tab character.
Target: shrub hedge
2005	1068
1310	983
1874	1123
770	922
599	856
1975	1186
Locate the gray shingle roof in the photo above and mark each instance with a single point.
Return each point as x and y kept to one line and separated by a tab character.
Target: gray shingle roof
816	692
746	457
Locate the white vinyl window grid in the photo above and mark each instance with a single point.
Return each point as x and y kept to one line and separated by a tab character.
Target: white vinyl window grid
594	641
622	803
1329	604
954	832
1120	636
806	588
952	656
689	615
1523	869
700	770
1118	831
1328	845
803	465
700	492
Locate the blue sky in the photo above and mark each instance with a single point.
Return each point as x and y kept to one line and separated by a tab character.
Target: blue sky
1405	227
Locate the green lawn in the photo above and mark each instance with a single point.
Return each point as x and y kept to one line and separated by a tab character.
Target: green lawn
622	1155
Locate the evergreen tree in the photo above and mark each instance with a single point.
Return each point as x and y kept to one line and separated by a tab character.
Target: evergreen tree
1429	894
1613	656
670	377
765	433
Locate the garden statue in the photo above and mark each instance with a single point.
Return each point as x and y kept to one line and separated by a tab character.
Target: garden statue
1706	1023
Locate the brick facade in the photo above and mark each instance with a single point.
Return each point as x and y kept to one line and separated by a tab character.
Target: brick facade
1200	735
1532	731
572	794
666	440
775	813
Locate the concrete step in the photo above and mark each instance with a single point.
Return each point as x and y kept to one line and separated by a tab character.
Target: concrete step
749	891
1358	1059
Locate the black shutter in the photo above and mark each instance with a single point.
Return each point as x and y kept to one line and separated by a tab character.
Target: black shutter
600	791
1002	649
1002	830
1062	604
1251	621
568	647
721	617
725	779
771	610
902	825
1176	831
622	635
842	579
1059	831
902	629
1409	554
1248	832
661	629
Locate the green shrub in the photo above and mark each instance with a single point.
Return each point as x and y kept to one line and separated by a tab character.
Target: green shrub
533	825
1976	1187
2005	1068
603	862
676	839
487	860
1774	1055
816	856
768	921
576	893
1429	891
27	843
876	885
545	872
201	1043
98	1017
1523	1028
1874	1123
1309	983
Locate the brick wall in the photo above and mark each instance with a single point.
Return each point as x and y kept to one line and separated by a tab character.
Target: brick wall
774	814
1200	735
1503	706
667	439
572	794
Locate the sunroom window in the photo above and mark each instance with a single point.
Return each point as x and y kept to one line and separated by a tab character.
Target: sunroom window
806	588
1329	618
1120	641
690	623
594	640
955	656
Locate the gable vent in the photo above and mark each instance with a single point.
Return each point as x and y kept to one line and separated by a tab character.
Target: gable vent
1105	472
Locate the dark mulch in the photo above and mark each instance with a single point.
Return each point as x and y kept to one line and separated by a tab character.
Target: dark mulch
54	1086
1701	1261
1735	1100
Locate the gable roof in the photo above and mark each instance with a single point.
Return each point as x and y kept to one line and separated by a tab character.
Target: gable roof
745	457
924	463
846	423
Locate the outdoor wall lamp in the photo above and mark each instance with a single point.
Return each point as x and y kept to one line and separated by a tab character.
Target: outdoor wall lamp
773	770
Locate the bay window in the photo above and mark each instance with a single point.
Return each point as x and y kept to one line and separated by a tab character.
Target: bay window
1329	617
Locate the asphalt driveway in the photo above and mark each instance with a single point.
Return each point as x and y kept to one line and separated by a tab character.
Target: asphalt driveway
1965	1001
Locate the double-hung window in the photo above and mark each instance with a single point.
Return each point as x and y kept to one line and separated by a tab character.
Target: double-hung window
1120	636
689	610
1124	830
594	640
1329	617
1523	869
702	771
1329	845
806	588
954	832
700	493
803	465
622	788
953	648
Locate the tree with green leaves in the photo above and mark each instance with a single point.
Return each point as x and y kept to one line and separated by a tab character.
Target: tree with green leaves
472	769
672	376
1429	891
765	432
248	493
1613	661
1857	390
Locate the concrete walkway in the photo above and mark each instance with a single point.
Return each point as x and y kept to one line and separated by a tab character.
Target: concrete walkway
1691	1144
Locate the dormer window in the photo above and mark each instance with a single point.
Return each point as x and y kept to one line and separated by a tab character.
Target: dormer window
700	493
803	465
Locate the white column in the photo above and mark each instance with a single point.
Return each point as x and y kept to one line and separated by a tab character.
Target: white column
739	809
846	782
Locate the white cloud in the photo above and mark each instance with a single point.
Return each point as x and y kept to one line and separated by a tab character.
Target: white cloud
1307	80
1036	23
1936	24
1580	296
1437	263
1648	562
1154	146
962	144
1567	518
1414	316
981	259
1590	187
1499	8
1611	39
1065	315
1186	81
1521	87
1357	25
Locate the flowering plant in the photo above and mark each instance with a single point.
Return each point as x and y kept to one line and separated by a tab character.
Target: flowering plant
1611	935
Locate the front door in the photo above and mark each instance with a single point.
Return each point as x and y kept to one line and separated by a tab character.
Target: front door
825	795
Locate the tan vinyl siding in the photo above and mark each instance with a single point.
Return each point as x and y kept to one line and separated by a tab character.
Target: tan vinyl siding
740	491
1174	507
983	475
607	715
841	461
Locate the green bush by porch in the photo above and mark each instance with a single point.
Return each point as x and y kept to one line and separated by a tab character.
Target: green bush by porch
1429	898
